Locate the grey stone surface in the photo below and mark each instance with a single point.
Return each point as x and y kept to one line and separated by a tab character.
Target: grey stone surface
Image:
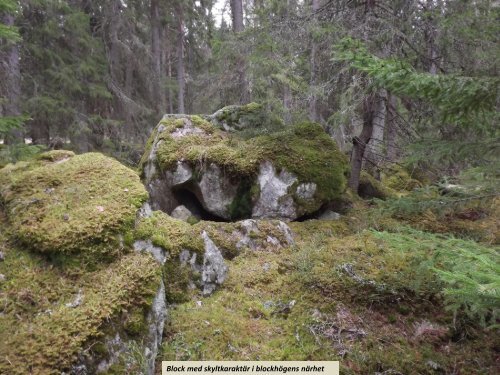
329	215
146	245
274	200
145	211
280	195
181	213
156	322
287	232
182	174
214	270
306	191
217	191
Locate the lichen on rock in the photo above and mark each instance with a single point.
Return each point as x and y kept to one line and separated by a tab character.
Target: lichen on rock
233	177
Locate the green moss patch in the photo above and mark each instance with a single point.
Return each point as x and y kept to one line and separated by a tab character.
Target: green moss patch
171	234
398	178
49	316
175	236
65	204
370	187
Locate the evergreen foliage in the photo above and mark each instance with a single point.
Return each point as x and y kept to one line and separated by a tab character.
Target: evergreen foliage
469	272
455	96
8	33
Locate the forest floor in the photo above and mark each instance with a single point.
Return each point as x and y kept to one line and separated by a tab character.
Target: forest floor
349	290
365	289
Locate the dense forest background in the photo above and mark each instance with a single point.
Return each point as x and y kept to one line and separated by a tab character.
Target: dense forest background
416	75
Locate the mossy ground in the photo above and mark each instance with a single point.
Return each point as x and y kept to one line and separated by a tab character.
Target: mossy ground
356	290
370	187
397	178
360	297
64	204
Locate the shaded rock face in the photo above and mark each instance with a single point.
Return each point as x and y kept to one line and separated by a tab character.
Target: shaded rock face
118	346
206	165
216	191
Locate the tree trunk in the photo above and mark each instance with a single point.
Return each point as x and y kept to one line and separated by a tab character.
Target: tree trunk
237	13
359	143
156	54
10	84
170	91
431	34
374	153
391	129
238	27
287	103
181	82
313	105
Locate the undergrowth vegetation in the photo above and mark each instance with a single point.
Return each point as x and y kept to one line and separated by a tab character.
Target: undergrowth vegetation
376	300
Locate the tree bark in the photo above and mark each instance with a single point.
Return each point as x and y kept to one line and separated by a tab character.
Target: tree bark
374	153
391	127
287	103
10	75
313	104
238	27
237	14
181	81
156	54
359	143
431	34
169	75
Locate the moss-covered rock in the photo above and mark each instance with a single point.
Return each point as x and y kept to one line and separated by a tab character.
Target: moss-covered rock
332	297
370	187
188	260
51	320
398	178
59	213
290	173
250	118
170	234
65	204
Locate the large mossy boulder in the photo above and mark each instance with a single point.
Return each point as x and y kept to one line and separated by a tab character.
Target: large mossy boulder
64	204
285	174
75	298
